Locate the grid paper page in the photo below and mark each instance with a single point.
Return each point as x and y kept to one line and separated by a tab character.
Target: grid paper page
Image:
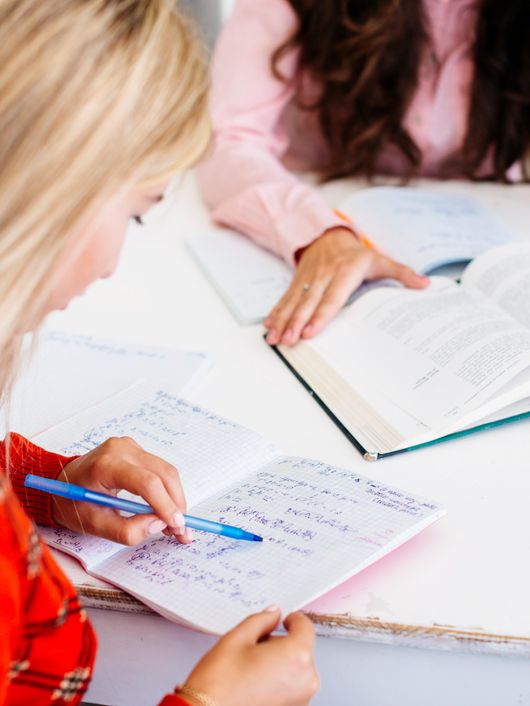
210	452
87	549
320	525
70	372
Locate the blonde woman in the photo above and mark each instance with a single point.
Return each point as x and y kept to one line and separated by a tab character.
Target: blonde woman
100	102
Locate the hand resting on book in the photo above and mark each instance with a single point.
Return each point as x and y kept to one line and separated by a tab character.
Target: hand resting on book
329	270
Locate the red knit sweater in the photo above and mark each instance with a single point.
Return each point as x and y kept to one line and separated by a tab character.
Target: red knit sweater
47	645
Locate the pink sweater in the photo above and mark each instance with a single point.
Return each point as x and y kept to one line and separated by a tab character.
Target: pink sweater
260	135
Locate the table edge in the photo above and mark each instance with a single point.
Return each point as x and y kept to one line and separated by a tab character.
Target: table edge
347	626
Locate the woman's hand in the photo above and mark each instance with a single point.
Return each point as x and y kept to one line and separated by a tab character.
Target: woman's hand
329	270
247	666
121	464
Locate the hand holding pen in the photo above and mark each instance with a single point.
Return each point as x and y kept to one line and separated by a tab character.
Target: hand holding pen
121	463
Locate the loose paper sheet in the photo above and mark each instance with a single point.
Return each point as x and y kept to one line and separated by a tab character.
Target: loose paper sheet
70	372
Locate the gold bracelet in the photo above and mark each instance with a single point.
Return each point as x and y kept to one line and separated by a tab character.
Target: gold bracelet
203	699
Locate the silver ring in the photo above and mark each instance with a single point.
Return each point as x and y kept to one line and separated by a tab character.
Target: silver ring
306	287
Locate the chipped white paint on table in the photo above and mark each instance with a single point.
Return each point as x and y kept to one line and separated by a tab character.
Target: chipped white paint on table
462	587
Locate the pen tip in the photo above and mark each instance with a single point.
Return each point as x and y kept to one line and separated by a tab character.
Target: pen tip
257	539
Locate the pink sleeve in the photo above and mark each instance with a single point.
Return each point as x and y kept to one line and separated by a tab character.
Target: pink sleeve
242	179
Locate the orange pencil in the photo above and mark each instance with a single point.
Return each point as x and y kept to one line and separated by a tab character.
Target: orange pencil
364	240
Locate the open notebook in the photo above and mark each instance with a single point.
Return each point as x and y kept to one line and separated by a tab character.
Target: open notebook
402	368
424	229
249	279
320	524
69	372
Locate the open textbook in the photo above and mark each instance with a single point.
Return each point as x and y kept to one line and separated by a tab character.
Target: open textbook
320	524
424	229
402	368
69	372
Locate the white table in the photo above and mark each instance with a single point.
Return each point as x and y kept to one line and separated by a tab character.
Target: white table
141	656
463	586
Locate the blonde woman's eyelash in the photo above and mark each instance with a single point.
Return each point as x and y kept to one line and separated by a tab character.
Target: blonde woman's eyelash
139	220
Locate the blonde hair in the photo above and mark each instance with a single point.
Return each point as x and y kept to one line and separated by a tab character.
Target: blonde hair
94	94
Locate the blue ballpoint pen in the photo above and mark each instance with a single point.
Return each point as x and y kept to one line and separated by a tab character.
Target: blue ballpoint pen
77	492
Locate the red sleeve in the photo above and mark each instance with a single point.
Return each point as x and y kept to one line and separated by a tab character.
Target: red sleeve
173	700
47	645
20	457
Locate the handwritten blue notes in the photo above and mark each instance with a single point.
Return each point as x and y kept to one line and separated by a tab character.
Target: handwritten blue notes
209	451
320	524
90	551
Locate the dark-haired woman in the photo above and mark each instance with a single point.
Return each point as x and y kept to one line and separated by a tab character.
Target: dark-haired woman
436	88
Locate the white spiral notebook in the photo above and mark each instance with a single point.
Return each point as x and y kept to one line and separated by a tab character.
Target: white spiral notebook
320	524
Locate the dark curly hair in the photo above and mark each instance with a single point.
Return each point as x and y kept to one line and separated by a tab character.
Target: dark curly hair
365	54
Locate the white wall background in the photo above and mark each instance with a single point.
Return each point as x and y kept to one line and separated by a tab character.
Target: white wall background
226	6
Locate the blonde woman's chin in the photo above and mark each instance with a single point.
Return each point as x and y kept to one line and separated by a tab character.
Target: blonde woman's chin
54	303
60	303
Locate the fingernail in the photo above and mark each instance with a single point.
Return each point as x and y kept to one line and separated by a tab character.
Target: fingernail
271	608
178	531
307	331
178	520
271	337
189	534
156	526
